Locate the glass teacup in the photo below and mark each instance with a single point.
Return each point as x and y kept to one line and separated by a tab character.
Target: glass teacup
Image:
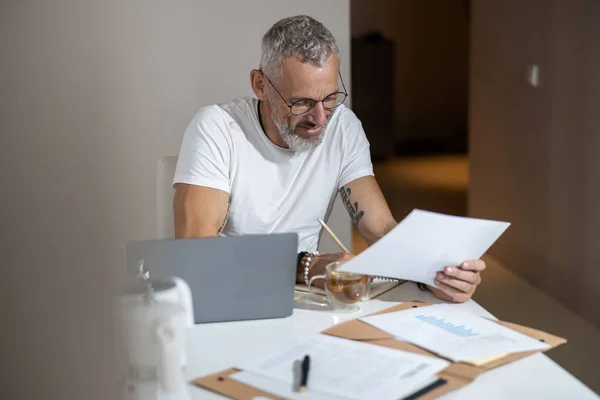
344	289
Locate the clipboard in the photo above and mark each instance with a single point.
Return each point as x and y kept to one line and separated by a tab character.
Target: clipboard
455	376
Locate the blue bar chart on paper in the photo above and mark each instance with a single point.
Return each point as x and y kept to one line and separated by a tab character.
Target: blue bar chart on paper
441	323
455	334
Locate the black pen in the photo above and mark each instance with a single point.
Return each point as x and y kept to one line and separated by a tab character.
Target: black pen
305	369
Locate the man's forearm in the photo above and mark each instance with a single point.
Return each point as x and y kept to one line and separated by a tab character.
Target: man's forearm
372	237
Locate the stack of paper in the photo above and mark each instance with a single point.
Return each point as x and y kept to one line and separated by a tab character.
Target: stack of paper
342	368
454	334
423	244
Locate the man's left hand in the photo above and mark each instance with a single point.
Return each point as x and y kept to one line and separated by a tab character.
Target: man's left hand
457	284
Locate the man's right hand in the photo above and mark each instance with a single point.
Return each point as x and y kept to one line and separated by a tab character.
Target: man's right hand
318	264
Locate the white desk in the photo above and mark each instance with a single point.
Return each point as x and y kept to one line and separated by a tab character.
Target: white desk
215	347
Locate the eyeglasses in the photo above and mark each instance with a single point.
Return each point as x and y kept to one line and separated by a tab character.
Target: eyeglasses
302	106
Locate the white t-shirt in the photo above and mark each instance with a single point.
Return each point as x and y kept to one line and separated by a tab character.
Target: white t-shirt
272	189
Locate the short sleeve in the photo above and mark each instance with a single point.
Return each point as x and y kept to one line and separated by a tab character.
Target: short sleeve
356	161
205	153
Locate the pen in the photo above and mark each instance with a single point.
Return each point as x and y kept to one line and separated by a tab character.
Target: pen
304	377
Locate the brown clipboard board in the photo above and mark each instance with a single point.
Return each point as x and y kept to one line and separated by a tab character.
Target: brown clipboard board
455	376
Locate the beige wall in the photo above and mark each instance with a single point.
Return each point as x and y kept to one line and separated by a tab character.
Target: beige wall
93	94
534	151
431	41
58	201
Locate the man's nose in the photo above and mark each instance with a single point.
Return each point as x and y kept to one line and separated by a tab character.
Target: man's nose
318	114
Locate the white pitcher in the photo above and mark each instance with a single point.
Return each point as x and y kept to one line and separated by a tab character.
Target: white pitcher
153	316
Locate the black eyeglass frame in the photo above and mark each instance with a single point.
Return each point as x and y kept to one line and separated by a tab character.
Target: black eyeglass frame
314	102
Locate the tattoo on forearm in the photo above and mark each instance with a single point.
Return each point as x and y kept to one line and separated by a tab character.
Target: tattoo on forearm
226	217
355	213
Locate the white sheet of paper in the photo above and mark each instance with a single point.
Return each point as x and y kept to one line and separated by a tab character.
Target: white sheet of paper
283	389
452	333
351	369
279	388
424	243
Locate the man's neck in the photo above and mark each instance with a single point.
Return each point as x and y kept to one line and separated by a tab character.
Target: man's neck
269	126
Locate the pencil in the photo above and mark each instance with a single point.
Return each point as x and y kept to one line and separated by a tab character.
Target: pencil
339	243
333	236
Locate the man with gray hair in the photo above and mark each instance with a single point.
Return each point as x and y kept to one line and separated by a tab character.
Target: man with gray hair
275	163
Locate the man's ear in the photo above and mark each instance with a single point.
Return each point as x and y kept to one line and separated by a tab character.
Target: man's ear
259	85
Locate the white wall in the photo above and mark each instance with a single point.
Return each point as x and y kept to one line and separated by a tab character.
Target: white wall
93	94
534	151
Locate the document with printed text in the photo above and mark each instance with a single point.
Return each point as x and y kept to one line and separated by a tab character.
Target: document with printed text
454	334
347	369
425	242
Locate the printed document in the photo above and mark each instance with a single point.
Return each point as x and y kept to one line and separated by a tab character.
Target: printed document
349	369
454	334
279	388
424	243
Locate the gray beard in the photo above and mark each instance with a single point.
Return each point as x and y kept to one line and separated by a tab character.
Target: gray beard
293	140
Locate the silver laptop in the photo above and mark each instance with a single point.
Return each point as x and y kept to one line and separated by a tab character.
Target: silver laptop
231	278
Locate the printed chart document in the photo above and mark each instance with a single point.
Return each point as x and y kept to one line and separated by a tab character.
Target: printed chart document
424	243
348	369
453	334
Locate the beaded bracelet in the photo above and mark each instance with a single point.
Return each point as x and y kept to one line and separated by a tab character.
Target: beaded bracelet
309	257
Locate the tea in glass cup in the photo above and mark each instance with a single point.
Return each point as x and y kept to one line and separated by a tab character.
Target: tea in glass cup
344	289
